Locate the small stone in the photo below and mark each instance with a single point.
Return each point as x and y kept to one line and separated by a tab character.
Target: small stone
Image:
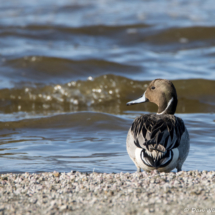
2	209
56	174
4	178
64	207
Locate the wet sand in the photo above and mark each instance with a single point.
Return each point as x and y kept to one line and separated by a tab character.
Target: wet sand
101	193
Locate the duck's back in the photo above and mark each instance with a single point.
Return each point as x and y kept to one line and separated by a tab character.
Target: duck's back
165	130
157	135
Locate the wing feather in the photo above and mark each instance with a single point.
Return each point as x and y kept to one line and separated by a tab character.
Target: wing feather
154	130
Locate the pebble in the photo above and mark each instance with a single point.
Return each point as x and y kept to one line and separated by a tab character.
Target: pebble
102	193
56	174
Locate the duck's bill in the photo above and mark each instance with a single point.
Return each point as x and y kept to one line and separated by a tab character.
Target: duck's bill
137	101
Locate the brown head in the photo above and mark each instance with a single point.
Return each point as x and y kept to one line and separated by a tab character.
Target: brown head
161	92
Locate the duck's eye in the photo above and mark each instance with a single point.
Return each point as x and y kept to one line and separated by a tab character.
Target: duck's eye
153	88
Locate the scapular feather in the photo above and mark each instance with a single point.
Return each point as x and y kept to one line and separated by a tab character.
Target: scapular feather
157	132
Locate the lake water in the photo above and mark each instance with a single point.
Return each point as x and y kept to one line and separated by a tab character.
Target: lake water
67	69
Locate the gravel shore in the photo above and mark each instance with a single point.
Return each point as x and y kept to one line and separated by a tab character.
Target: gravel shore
101	193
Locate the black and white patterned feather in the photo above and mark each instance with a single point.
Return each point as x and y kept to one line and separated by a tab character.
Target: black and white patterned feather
157	135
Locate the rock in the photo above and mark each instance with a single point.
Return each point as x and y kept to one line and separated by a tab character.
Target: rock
56	174
4	178
63	207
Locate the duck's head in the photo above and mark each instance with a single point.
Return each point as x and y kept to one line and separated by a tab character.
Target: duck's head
161	92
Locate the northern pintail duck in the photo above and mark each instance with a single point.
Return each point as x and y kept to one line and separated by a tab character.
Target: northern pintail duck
158	141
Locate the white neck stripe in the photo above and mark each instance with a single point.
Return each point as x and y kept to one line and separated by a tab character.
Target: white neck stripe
169	103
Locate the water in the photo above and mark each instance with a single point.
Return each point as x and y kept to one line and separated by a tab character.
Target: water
67	69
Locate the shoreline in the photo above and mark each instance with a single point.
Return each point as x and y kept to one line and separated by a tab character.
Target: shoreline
108	193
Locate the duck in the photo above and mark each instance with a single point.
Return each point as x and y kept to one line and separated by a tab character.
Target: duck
158	141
